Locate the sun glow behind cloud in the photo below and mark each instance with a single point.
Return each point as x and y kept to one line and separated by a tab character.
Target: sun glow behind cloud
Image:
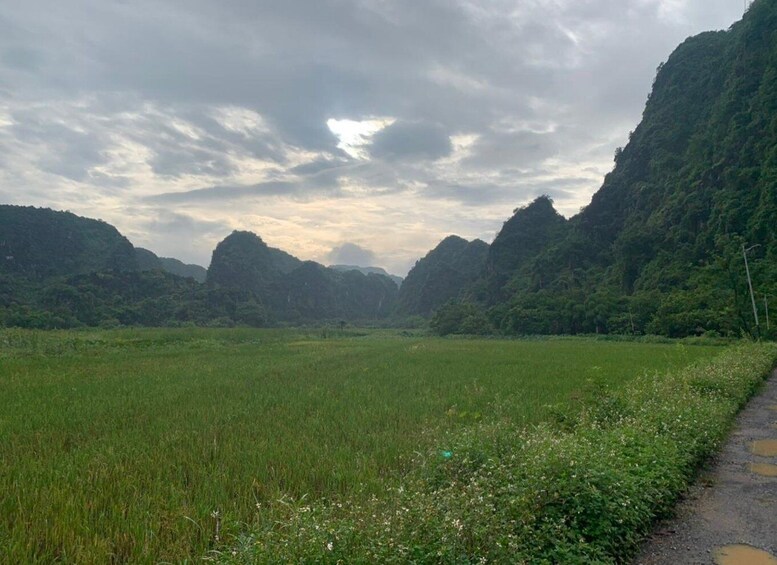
354	136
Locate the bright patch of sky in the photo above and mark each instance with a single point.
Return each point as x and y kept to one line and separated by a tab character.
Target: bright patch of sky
355	136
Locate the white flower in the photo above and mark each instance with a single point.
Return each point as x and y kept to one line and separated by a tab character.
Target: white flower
329	546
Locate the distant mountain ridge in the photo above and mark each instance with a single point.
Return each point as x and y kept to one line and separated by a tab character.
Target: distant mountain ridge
294	290
61	270
369	270
148	260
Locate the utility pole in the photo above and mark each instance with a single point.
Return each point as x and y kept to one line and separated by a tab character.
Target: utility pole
766	307
750	282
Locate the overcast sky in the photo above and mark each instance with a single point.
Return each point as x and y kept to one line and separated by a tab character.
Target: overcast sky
344	131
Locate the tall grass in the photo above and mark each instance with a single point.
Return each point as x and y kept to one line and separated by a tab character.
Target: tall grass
153	445
584	489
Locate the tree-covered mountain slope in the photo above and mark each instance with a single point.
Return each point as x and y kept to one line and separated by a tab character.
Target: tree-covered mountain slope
510	260
59	270
149	261
37	243
368	271
295	291
659	248
242	260
181	269
442	275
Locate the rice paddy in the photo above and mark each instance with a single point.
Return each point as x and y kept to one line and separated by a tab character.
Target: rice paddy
158	445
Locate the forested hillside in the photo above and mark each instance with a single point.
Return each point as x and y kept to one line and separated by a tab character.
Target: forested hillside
368	271
442	275
660	247
149	261
295	291
37	243
59	270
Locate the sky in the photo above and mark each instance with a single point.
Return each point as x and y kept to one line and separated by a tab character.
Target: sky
342	131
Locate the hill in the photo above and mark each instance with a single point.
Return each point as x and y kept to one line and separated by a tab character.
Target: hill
149	261
660	247
181	269
369	271
59	270
295	291
38	243
442	275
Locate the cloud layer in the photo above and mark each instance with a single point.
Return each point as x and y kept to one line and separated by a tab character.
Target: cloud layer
321	122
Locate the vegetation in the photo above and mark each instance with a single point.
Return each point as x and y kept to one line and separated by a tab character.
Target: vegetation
77	272
140	445
368	271
585	489
659	248
297	291
441	276
37	243
148	261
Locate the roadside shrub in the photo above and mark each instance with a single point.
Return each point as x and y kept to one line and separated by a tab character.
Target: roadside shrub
584	492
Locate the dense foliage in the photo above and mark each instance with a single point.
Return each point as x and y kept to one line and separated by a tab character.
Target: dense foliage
36	243
441	275
660	247
368	271
63	271
296	291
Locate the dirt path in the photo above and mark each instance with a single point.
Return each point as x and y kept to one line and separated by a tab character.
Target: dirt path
733	504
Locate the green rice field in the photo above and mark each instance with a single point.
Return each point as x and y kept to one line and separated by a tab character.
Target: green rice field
159	445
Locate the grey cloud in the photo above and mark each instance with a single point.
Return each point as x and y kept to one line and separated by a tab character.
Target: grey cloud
70	153
351	254
91	75
317	166
22	58
178	161
412	141
167	222
228	192
510	194
173	153
514	149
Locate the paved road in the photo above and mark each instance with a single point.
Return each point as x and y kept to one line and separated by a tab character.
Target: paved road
734	503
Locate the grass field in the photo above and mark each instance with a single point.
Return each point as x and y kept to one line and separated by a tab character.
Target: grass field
123	445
